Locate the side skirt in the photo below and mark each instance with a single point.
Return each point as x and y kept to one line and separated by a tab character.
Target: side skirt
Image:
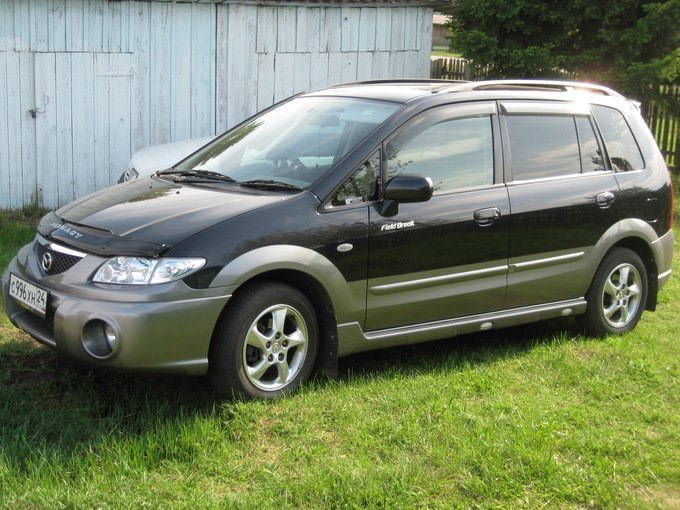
352	337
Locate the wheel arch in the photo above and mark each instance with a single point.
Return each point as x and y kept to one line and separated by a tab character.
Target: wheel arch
327	354
639	237
644	251
331	296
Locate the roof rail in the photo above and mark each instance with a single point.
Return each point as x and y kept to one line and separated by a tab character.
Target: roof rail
401	80
548	85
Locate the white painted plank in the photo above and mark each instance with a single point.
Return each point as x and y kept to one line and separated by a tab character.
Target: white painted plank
284	73
266	29
313	20
412	64
125	26
22	25
383	29
396	64
365	65
318	71
64	135
287	27
221	70
16	115
398	28
57	25
29	177
83	121
39	32
331	29
425	31
350	28
6	26
97	27
203	71
381	65
102	122
367	29
181	78
74	25
160	72
112	27
349	67
242	63
141	85
334	68
5	122
301	29
265	80
301	80
411	28
46	129
119	114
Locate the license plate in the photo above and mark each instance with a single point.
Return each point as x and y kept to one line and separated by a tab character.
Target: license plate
28	295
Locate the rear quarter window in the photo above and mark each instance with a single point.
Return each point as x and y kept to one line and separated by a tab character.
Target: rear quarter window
622	147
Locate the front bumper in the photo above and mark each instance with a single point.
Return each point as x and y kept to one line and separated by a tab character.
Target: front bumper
160	328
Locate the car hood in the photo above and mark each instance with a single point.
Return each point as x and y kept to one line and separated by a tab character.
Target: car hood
146	217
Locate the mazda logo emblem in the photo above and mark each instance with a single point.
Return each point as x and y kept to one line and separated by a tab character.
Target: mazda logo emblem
47	261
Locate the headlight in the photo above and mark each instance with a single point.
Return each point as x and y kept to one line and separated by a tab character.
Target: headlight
142	271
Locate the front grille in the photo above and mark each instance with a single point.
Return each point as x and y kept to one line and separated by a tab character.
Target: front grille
52	258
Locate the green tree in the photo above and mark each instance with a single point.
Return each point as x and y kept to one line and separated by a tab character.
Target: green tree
632	45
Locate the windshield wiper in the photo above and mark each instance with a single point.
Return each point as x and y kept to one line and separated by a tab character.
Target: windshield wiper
270	184
196	175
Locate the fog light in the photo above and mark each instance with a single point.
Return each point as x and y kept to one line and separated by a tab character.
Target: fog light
99	339
110	336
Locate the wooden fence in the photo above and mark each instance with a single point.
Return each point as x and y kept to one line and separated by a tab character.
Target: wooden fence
664	125
455	69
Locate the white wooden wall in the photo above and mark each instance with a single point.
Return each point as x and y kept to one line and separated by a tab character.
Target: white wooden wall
104	79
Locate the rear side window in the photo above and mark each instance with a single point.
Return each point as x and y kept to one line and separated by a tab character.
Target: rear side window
623	150
543	146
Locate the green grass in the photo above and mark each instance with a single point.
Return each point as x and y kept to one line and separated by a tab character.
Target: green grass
443	51
529	417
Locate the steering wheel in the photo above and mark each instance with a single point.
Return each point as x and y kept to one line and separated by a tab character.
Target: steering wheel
287	162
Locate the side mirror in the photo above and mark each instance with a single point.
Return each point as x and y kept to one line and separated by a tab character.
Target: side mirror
408	188
403	189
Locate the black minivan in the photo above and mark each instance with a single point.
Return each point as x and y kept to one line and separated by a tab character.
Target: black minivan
354	218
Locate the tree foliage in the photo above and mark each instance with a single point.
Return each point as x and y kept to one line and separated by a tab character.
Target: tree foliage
632	45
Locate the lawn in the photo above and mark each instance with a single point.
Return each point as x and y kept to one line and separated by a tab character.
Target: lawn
529	417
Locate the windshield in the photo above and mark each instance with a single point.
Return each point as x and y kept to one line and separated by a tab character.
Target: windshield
293	144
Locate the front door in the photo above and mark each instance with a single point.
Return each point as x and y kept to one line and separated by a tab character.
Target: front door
446	257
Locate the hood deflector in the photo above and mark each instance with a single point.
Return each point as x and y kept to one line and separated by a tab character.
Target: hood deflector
96	240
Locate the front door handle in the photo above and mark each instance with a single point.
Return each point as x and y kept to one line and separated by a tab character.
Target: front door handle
604	200
486	217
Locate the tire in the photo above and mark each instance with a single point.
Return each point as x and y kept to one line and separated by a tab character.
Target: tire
617	294
265	343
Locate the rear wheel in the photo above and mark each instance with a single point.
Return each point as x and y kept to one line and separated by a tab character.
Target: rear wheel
617	295
265	344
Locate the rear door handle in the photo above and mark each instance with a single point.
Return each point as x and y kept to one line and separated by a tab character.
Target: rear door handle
486	217
605	199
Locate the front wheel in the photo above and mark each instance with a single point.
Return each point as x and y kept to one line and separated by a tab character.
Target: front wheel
617	295
265	344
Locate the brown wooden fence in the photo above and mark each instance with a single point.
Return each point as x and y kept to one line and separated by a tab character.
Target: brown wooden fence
455	69
664	126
